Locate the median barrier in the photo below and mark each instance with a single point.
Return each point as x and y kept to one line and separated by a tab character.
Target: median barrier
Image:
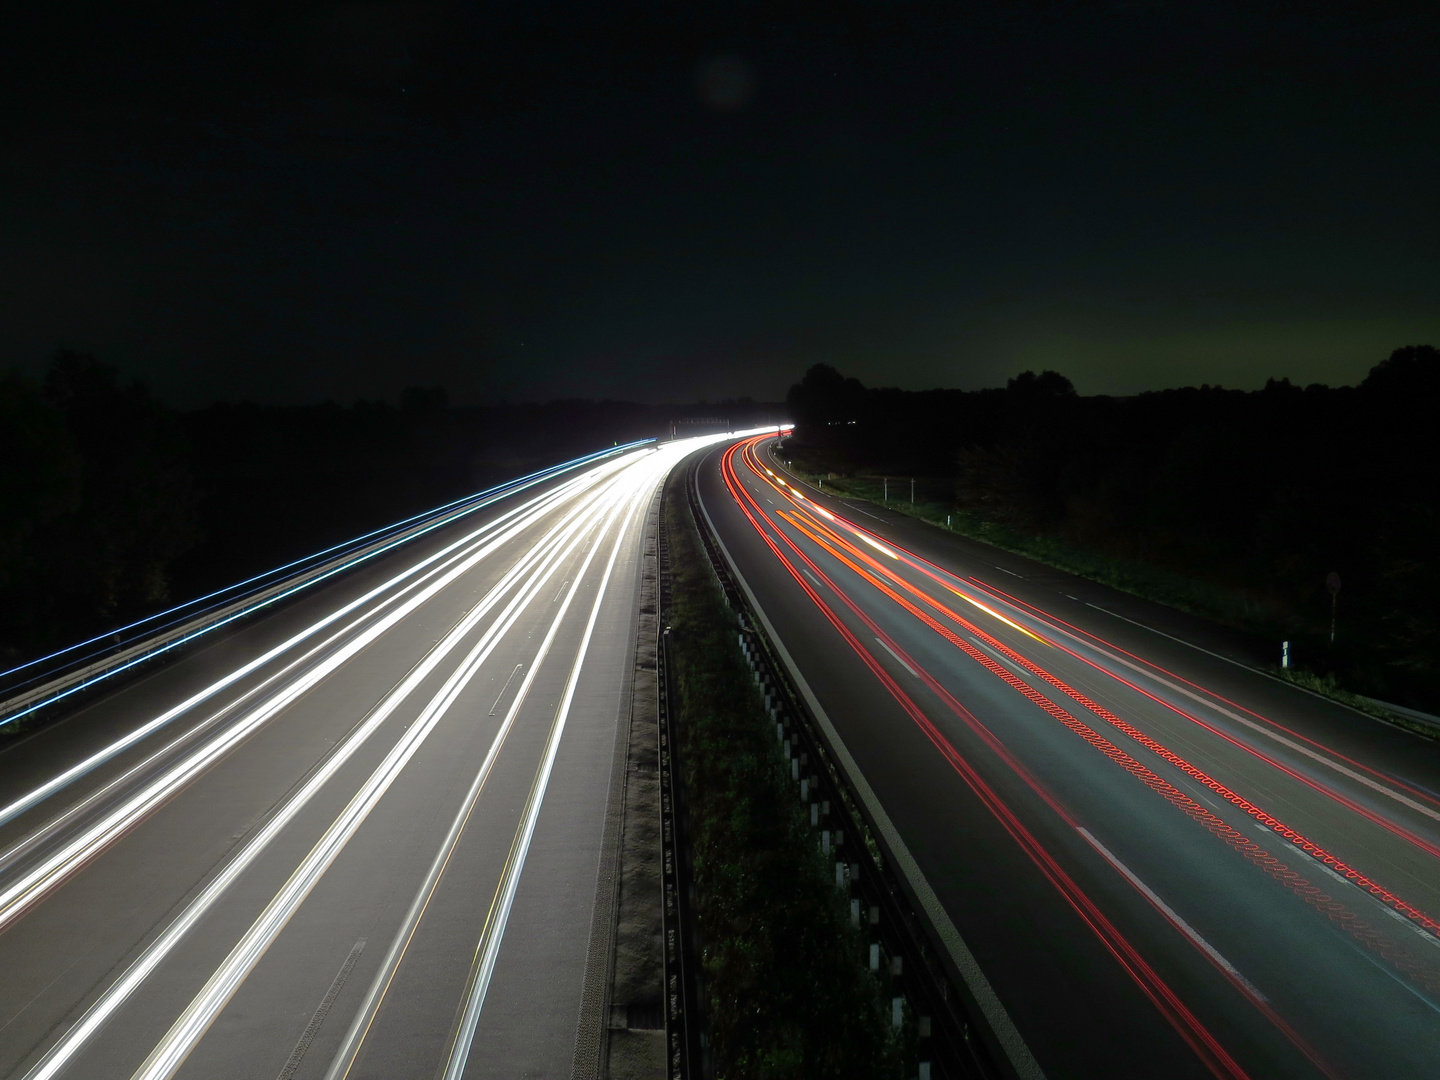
952	1039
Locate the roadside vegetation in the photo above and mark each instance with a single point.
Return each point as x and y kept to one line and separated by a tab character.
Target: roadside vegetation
117	504
1230	605
785	992
1236	506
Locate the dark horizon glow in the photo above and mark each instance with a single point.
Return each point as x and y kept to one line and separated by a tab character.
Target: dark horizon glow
289	203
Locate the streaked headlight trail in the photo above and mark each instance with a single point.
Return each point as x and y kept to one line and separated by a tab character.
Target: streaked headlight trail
487	595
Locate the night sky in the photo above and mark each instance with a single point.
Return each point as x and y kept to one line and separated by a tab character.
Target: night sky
297	201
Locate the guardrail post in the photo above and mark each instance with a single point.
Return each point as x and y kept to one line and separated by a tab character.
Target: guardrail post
902	933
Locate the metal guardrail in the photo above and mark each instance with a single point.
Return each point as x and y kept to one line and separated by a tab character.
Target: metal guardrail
64	680
1428	720
901	945
166	641
684	1053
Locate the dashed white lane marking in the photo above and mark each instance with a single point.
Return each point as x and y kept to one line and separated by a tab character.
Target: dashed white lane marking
504	688
1298	747
902	663
487	950
1173	917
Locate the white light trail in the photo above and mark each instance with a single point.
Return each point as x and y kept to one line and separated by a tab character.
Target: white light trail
75	1039
97	797
488	948
59	865
531	509
172	1050
625	481
477	501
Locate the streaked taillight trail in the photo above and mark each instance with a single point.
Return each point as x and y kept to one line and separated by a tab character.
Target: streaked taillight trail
800	533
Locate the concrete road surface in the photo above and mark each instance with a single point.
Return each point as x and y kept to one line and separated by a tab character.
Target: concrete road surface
361	837
1164	863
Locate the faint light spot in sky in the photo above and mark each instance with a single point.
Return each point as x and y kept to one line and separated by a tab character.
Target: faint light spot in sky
725	83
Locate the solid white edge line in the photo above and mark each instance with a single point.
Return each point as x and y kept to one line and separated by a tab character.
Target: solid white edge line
172	1050
1153	674
17	896
205	623
1252	669
99	1012
57	1056
493	935
1299	748
350	1046
50	787
493	493
38	834
1001	1024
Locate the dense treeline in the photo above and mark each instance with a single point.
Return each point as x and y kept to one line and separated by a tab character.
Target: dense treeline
1259	494
116	505
99	496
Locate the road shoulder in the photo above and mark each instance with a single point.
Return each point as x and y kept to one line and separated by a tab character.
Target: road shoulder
621	1027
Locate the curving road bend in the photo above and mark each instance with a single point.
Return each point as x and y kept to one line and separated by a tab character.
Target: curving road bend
1164	864
359	836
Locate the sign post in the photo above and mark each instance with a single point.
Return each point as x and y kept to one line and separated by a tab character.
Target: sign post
1332	582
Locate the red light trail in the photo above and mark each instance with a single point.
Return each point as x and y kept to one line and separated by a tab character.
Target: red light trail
888	582
1186	1024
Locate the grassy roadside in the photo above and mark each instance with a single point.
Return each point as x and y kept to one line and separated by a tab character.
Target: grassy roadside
785	992
1327	687
1229	607
1137	578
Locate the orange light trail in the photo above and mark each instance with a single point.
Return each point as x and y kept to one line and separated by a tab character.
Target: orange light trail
1419	793
939	575
1215	1057
923	566
846	552
1298	839
1150	744
1178	798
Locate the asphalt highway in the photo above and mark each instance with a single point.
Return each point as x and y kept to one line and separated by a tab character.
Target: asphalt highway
359	836
1162	862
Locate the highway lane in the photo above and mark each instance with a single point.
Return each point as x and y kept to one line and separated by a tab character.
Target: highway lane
1162	869
365	843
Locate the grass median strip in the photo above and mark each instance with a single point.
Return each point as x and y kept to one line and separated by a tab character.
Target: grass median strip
784	988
